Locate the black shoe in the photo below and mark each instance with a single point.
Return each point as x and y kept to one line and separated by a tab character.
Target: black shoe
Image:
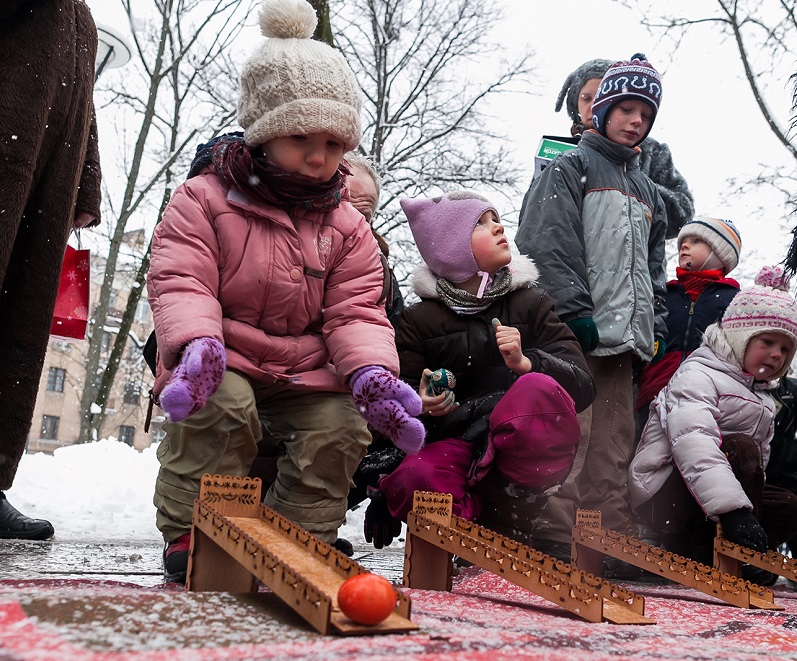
558	550
758	576
615	569
15	525
344	546
175	559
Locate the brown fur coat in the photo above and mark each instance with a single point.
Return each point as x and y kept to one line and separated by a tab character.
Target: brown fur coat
49	172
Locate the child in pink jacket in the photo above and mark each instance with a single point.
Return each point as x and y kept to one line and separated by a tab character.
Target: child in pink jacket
265	289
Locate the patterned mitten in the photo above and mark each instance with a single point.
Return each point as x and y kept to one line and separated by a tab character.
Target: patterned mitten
389	406
195	379
742	528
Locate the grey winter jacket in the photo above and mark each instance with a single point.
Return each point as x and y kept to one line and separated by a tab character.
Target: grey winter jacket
656	162
595	226
709	397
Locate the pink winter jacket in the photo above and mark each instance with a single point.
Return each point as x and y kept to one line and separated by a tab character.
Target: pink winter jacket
289	298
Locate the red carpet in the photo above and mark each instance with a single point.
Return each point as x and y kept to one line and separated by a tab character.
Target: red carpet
484	617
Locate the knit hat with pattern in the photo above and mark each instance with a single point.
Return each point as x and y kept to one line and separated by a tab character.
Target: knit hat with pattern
722	237
295	85
766	307
635	79
442	227
575	81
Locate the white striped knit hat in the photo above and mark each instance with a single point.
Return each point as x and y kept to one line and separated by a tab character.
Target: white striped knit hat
295	85
722	237
766	307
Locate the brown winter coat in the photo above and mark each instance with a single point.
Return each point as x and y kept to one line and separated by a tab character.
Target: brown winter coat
49	171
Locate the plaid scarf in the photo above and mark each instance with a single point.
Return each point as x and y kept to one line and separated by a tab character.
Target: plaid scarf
251	173
694	282
463	302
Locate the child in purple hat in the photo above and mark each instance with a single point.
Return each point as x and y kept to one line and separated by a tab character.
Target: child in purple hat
506	433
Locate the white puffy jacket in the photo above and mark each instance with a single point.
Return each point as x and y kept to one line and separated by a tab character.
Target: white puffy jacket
708	397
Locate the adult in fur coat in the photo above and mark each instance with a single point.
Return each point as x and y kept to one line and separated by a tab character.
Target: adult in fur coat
50	174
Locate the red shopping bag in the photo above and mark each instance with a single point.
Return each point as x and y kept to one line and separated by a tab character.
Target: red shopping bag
71	315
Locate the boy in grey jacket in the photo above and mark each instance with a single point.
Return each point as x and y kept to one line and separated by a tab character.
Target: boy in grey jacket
596	225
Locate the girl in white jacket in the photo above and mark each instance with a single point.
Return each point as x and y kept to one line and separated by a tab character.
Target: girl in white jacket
704	449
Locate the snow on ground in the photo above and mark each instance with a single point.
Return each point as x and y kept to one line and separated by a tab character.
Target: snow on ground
102	492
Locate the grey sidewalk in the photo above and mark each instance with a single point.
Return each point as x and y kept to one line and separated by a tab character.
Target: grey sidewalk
138	563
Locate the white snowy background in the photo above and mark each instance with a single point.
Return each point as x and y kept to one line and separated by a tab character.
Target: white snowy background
102	492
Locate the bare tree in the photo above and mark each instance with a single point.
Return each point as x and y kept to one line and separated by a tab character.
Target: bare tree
323	31
425	111
764	36
178	88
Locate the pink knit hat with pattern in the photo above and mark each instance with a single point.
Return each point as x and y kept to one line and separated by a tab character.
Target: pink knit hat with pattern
766	307
442	227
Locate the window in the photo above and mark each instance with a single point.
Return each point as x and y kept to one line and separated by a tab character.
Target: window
133	350
50	426
132	393
158	435
55	379
142	311
127	434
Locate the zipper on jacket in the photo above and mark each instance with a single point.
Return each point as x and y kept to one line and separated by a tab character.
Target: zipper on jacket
633	241
688	327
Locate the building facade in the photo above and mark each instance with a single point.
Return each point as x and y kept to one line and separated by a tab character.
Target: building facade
56	418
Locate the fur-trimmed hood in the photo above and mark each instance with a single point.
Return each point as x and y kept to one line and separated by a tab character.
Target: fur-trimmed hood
715	339
524	274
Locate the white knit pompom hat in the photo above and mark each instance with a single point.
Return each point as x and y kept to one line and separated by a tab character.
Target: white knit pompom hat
766	307
295	85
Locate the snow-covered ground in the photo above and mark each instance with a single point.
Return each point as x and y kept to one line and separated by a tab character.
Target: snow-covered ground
102	492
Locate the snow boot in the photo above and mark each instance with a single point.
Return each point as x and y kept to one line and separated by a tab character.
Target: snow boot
175	559
15	525
344	546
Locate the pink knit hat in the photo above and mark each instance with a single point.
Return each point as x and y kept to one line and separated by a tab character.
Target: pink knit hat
766	307
442	227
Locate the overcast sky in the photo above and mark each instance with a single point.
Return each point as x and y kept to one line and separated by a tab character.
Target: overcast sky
708	116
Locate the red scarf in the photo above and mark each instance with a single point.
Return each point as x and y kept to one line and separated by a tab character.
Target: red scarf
694	282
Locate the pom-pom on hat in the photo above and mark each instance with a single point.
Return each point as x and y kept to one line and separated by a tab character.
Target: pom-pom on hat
634	79
442	227
722	237
766	307
575	81
295	85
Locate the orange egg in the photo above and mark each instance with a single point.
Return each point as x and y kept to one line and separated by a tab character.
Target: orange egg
367	598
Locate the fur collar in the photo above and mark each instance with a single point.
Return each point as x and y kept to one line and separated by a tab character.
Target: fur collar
714	339
524	274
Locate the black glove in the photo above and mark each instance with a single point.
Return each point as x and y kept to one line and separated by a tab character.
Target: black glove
380	527
742	528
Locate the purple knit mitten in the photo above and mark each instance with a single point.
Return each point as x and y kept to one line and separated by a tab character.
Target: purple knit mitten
195	379
389	406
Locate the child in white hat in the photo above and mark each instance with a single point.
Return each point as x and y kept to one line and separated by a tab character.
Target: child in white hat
265	290
708	250
703	451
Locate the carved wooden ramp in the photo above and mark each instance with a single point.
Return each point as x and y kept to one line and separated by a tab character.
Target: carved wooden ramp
591	542
729	558
434	535
236	541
